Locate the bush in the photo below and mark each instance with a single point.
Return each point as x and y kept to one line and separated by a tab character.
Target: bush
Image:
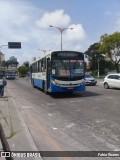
23	71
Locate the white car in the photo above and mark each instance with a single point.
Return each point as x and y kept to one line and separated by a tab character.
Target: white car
112	81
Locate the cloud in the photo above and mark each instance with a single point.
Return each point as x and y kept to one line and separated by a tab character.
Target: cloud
23	19
56	18
77	33
28	24
118	24
60	19
14	21
118	20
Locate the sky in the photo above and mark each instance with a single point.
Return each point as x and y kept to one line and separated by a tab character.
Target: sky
27	21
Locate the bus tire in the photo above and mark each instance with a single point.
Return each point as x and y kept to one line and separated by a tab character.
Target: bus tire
45	91
33	85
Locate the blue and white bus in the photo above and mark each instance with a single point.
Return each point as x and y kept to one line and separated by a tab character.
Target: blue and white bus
59	71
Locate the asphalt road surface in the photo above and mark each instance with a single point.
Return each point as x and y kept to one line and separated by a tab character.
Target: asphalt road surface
87	121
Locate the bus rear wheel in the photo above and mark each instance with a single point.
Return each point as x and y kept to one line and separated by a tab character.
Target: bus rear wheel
33	85
44	89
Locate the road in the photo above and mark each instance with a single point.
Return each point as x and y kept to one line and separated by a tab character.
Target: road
87	121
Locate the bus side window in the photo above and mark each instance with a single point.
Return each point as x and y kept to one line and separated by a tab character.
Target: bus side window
39	66
34	67
31	69
44	65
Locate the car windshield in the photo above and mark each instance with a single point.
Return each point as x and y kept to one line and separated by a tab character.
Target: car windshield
67	68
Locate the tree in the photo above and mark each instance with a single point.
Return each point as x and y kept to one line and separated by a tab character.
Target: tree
26	64
15	63
23	70
3	63
96	59
110	46
9	63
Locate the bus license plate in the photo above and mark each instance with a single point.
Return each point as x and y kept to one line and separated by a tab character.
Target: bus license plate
70	88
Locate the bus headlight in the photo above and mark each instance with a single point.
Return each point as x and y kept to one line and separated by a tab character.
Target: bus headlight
53	82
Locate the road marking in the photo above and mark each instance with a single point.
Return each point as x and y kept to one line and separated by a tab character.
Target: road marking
70	125
99	121
54	128
49	114
26	107
50	104
76	101
109	97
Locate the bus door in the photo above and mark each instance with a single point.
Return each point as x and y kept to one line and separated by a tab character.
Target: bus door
48	73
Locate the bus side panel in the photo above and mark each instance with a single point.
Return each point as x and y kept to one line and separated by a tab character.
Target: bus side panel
38	83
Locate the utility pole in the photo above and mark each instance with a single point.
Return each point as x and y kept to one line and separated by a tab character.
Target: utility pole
61	31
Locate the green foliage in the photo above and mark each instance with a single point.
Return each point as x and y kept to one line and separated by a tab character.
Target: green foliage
110	46
23	70
95	57
26	64
10	63
93	49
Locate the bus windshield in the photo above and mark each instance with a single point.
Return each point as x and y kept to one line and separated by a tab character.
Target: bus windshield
10	73
67	68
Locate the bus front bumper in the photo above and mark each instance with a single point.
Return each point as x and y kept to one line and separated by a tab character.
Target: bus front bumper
55	88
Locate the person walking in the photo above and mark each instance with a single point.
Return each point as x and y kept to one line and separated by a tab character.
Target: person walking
3	83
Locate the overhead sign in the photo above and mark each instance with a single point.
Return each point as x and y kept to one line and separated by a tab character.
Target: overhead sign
14	45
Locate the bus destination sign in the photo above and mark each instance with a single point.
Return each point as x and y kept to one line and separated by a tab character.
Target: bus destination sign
68	54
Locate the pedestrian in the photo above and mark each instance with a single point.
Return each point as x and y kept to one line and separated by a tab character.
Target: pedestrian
3	83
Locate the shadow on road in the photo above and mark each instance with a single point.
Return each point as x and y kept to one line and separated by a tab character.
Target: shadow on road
74	95
117	89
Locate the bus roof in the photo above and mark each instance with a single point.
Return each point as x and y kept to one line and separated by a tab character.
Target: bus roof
47	53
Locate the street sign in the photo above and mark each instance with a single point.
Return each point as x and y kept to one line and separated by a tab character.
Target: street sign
14	45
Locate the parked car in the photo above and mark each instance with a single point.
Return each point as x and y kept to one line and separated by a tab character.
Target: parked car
112	81
89	80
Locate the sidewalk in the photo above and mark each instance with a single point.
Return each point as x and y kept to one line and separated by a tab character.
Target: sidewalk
15	128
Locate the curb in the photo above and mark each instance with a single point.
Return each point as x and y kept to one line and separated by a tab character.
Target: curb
10	106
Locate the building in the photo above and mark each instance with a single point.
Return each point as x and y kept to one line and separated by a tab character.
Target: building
2	57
